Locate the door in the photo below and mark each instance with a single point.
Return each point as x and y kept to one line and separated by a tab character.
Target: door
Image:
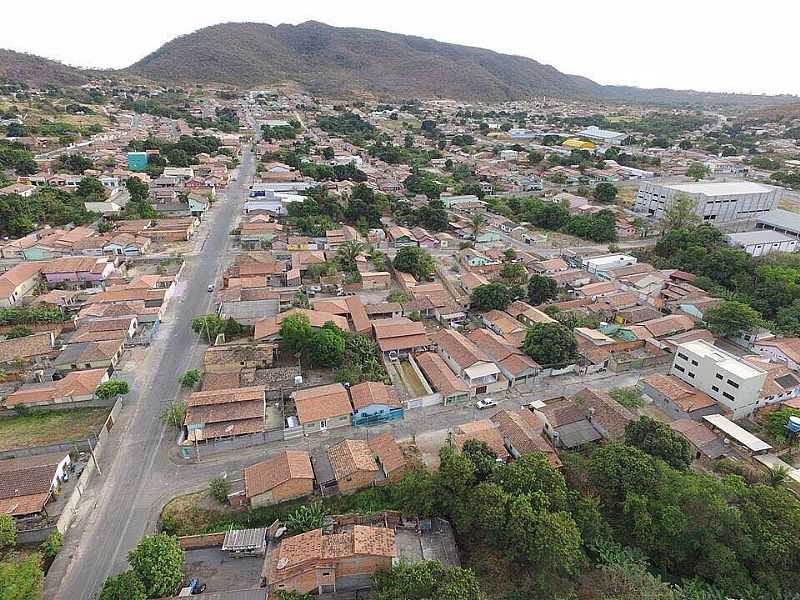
323	425
481	390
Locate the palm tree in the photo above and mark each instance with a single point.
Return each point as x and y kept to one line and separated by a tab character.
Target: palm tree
347	254
477	223
777	476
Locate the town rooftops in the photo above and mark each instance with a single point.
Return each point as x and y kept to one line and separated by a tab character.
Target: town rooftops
373	392
460	348
26	347
350	456
739	434
725	188
272	325
484	431
75	383
388	451
322	402
684	396
400	333
439	374
25	483
268	474
16	276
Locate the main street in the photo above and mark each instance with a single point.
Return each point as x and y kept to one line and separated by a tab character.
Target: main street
118	507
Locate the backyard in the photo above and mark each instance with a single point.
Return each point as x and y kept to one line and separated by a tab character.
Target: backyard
42	427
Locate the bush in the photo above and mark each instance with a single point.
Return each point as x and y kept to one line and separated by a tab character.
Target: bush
219	489
52	545
111	389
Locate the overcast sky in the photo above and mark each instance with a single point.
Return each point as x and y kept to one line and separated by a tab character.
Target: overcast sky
710	45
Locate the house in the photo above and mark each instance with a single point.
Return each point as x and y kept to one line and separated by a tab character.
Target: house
27	484
474	366
29	349
323	407
285	476
703	441
728	379
586	417
676	398
484	431
269	329
522	433
127	244
506	326
668	325
104	354
106	328
784	349
79	271
424	239
225	413
324	561
17	282
517	367
469	281
400	236
389	455
528	315
74	387
374	402
400	337
384	310
222	358
353	466
441	378
375	280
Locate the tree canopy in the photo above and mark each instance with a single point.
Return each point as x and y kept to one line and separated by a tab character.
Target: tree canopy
550	345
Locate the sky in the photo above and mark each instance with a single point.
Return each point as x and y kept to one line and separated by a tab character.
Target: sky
707	45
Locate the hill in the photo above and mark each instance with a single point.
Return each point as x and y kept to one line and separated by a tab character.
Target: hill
16	67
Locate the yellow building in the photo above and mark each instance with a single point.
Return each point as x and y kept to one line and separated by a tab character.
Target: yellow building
577	143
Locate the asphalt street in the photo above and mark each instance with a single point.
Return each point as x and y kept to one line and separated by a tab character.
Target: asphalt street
118	508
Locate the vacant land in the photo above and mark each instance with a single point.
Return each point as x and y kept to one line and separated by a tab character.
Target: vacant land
39	428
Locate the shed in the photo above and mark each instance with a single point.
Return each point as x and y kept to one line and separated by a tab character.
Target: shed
245	542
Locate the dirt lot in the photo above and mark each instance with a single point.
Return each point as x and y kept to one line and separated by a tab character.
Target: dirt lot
39	428
221	572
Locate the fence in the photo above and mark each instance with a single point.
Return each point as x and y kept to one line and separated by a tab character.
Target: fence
376	419
423	401
195	542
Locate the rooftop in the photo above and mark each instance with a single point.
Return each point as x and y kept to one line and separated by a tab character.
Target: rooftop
723	188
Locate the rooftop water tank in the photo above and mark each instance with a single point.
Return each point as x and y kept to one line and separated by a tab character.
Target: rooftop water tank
794	424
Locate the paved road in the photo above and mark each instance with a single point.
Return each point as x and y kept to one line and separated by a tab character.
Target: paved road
118	509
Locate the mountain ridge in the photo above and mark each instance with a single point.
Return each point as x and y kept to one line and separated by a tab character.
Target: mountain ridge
346	61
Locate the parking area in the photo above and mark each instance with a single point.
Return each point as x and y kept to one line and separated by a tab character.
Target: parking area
220	572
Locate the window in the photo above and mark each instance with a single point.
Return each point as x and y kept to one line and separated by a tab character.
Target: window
691	374
694	363
727	395
719	376
733	384
680	368
682	356
715	388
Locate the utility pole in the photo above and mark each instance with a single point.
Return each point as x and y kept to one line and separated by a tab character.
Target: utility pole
91	453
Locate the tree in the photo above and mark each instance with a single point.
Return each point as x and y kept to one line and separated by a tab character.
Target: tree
190	378
514	273
542	288
326	346
18	332
616	469
414	260
90	187
305	518
535	157
347	254
732	318
483	458
681	213
209	326
157	560
8	531
111	389
426	580
125	586
296	332
657	439
21	577
328	153
477	223
550	345
629	397
605	192
788	319
490	296
219	488
173	414
697	171
52	545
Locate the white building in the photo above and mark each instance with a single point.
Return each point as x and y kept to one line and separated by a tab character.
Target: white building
508	155
722	202
782	221
759	243
732	382
602	136
601	265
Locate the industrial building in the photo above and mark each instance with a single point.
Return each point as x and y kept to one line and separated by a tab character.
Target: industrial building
781	221
759	243
716	203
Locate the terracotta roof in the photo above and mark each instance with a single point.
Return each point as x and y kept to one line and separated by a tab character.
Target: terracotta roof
17	275
501	351
668	325
268	474
523	431
25	483
349	456
790	346
76	383
388	451
400	333
439	374
681	394
462	350
373	392
272	325
26	347
322	402
382	308
485	432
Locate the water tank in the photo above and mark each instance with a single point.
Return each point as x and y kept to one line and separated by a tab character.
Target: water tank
794	424
298	380
292	421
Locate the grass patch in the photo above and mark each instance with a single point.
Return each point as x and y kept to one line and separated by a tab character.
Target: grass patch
42	427
194	514
629	397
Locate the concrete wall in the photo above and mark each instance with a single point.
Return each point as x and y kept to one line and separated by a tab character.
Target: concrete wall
208	540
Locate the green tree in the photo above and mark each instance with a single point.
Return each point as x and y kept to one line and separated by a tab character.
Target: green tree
173	414
190	378
90	187
477	223
157	560
296	333
426	580
788	319
697	171
483	458
617	469
347	254
490	296
681	213
514	273
326	347
328	153
550	345
50	547
219	488
605	192
414	260
208	326
8	531
732	318
542	288
657	439
21	578
125	586
111	389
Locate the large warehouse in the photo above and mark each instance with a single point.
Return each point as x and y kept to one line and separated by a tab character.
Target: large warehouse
723	202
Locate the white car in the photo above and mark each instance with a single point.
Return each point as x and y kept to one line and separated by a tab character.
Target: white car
485	403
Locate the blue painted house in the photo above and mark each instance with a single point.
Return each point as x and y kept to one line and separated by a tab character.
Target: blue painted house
374	402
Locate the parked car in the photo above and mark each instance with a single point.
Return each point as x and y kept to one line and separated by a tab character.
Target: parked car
485	403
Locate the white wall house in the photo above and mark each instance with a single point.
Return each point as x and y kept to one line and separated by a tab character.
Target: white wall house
761	242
